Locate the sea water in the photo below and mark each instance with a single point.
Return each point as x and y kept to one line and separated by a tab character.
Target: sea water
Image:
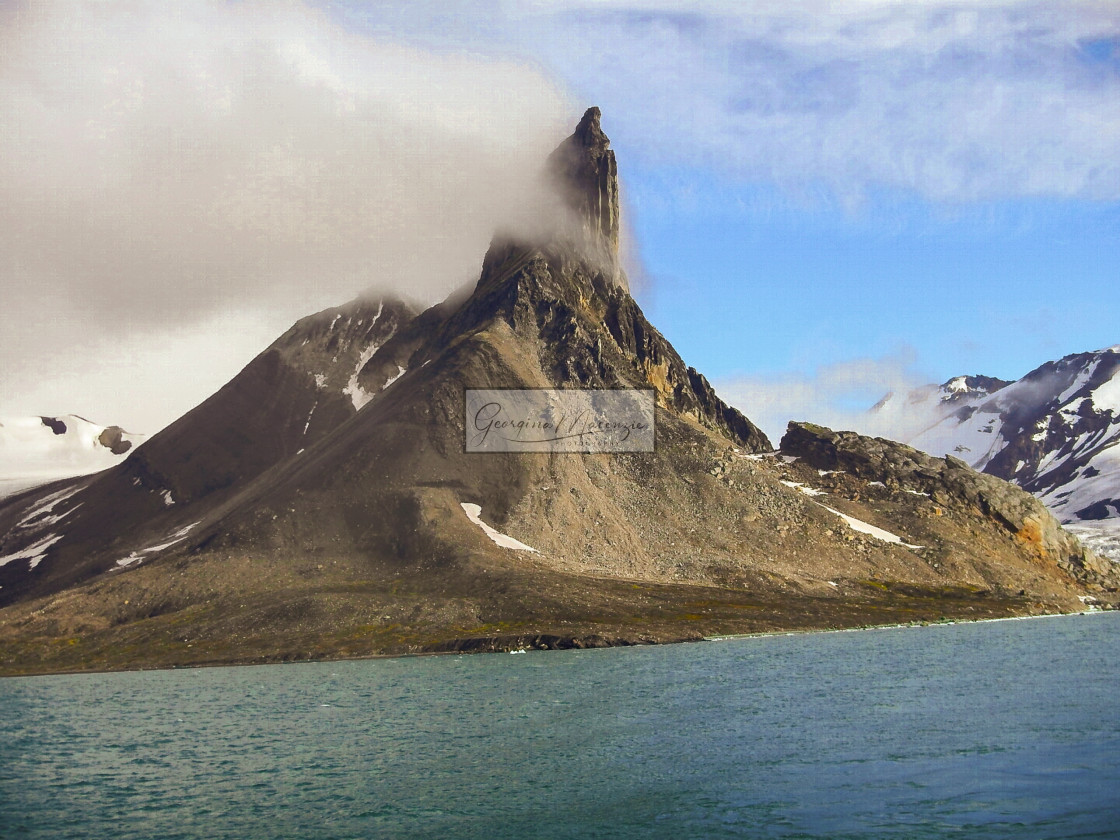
990	730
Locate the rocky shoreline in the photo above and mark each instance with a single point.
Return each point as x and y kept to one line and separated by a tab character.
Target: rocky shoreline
48	656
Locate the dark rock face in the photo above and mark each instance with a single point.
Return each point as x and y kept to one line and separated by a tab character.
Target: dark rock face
587	176
593	334
286	399
986	384
873	459
54	424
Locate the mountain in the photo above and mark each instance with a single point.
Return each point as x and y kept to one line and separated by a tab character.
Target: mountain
1055	433
35	450
328	501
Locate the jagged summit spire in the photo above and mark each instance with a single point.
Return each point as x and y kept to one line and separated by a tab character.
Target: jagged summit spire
589	133
587	176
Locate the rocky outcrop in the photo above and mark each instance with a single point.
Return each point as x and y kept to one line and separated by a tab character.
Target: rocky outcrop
951	482
112	438
540	641
54	424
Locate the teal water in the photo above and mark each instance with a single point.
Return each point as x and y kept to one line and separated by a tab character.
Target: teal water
994	730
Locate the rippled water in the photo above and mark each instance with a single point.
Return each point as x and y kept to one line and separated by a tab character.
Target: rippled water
1007	729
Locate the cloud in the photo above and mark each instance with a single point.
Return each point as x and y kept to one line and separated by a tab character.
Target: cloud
162	162
951	100
163	165
837	395
218	164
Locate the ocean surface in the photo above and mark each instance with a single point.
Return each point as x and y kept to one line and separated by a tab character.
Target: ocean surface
992	730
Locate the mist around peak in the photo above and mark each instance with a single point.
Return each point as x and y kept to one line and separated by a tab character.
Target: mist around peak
226	168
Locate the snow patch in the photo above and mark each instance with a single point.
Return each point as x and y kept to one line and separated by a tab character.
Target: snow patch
474	514
808	491
392	379
1101	536
974	436
34	552
1107	396
54	519
1079	381
1071	411
138	556
870	530
45	505
168	499
853	523
357	394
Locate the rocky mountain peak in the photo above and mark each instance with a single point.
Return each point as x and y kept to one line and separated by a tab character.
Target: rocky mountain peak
566	297
964	387
586	176
589	132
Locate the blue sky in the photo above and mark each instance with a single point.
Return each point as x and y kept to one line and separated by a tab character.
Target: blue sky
826	200
997	289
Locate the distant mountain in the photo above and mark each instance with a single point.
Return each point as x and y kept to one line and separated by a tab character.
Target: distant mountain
327	501
1055	432
35	450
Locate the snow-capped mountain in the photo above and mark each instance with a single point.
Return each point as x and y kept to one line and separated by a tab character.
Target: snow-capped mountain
35	450
1055	432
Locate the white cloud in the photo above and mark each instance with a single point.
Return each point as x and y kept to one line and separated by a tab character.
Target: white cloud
162	163
952	100
955	102
836	395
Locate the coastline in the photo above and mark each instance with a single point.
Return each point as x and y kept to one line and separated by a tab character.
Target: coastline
538	642
912	625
